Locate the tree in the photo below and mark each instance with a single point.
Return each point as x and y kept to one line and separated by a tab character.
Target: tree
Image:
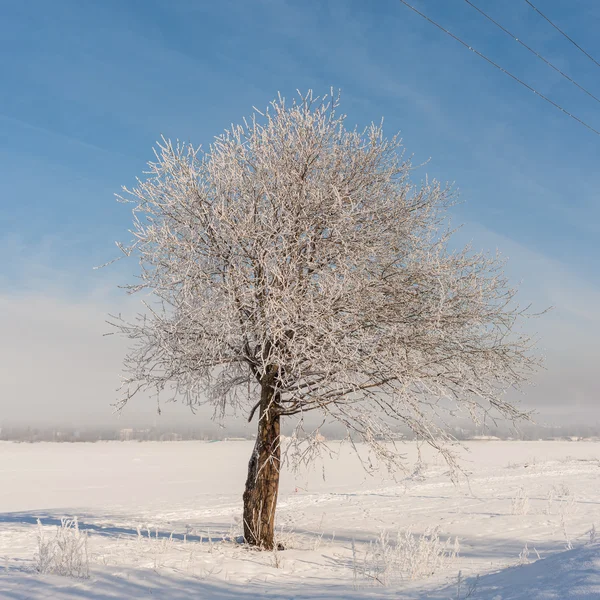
297	268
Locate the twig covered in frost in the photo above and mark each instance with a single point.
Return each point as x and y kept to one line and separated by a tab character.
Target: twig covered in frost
524	555
593	534
470	590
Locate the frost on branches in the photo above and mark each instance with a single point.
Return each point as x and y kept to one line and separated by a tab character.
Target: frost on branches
296	267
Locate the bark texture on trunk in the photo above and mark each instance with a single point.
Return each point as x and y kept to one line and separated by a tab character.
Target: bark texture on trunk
262	485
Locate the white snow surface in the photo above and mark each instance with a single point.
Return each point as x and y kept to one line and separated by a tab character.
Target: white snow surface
163	521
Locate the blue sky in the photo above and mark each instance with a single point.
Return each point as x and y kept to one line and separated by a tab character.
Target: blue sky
87	87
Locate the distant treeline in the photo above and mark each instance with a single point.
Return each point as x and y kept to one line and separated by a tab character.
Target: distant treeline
157	434
42	434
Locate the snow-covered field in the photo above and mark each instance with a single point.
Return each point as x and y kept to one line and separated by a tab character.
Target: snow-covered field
163	518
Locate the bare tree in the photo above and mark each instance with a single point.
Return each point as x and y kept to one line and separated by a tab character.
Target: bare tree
298	268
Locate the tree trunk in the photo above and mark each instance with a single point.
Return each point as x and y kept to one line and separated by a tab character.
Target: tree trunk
262	485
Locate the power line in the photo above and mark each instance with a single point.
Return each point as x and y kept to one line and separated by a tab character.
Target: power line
512	35
497	66
537	10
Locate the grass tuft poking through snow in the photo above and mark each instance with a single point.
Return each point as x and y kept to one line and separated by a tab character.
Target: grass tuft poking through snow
408	556
64	554
520	503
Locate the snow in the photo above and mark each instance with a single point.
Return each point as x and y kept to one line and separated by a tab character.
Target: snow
163	519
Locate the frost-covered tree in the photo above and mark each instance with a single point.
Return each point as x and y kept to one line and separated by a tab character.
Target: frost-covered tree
297	268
